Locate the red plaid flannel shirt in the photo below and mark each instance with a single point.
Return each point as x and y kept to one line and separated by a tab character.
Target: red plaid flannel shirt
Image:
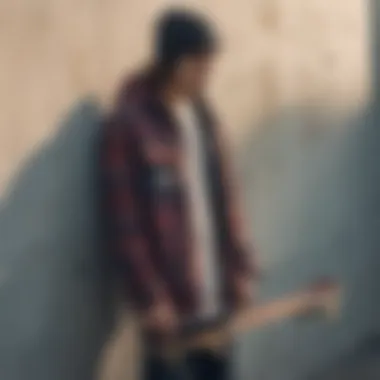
147	209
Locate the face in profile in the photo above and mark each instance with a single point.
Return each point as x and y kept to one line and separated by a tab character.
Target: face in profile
192	73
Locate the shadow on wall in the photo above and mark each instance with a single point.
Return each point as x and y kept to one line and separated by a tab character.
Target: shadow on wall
56	293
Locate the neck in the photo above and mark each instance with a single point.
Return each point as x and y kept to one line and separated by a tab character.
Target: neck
172	94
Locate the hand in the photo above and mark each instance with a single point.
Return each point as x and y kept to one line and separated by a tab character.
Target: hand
244	292
161	318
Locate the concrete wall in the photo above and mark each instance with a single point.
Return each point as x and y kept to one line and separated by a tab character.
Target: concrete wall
291	85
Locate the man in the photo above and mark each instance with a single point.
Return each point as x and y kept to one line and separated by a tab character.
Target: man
174	226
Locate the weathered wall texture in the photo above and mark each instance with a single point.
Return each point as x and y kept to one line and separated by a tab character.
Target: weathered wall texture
289	67
278	53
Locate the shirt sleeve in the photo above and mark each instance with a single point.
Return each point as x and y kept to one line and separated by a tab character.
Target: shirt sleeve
242	255
126	214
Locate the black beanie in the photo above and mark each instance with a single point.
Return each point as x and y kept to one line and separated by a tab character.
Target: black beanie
180	33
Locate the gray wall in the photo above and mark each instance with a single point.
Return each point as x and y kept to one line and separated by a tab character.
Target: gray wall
313	199
54	295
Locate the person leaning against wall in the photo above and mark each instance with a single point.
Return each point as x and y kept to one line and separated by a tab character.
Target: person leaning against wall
174	226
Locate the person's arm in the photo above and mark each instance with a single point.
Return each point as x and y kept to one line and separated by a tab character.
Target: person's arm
120	167
242	260
241	255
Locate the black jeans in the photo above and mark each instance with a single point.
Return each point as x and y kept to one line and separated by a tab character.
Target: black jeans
197	365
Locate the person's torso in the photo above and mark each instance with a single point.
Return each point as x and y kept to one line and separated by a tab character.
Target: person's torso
161	187
199	196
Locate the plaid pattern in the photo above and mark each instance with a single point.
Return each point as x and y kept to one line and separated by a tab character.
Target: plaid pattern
146	204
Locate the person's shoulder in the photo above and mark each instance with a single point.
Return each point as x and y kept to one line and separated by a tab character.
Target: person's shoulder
130	97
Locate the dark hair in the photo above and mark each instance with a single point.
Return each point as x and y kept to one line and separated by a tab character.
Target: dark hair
180	33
